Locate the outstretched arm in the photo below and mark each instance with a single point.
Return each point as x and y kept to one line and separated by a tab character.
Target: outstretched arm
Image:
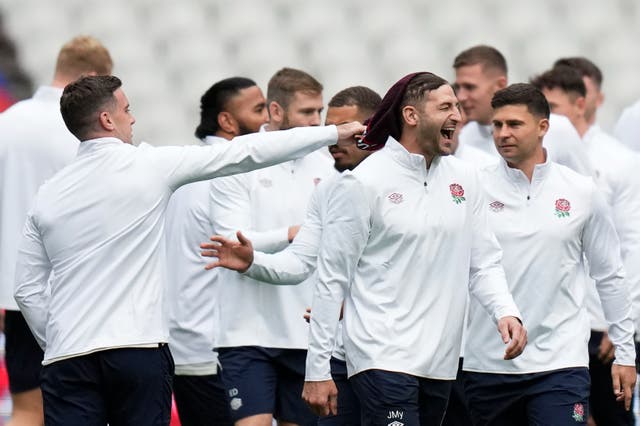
230	254
290	266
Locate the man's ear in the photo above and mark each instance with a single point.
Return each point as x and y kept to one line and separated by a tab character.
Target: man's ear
410	115
543	127
276	112
105	121
501	82
226	122
599	99
581	105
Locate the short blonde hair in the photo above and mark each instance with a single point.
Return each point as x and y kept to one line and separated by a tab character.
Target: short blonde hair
83	55
286	82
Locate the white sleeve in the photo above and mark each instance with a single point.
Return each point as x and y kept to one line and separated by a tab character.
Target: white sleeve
295	263
343	240
31	289
625	212
487	281
602	249
185	164
231	210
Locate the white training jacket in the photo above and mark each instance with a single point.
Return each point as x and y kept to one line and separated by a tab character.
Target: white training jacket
98	225
192	291
399	246
263	204
627	129
615	171
544	227
562	142
34	144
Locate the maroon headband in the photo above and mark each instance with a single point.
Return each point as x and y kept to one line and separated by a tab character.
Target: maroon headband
386	120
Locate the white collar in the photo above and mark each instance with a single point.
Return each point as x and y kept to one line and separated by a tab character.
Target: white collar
406	158
91	145
540	170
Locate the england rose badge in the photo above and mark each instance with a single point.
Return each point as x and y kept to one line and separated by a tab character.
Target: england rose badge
457	193
563	207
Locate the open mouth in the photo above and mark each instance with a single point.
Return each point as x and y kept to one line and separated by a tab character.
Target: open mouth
448	132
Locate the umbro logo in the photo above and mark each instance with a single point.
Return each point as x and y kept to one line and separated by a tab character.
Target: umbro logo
267	183
235	403
496	206
395	198
397	415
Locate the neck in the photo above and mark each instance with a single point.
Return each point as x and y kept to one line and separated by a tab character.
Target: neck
582	126
272	126
528	165
226	135
410	143
60	83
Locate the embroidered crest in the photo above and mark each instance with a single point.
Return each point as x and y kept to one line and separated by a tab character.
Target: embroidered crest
235	403
496	206
266	183
578	412
562	207
395	198
457	193
316	181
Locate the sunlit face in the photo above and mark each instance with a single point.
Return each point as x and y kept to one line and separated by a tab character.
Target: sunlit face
562	103
303	110
476	87
518	134
248	110
122	118
346	157
438	116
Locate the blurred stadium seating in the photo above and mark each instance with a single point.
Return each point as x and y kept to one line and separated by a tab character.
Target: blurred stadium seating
168	52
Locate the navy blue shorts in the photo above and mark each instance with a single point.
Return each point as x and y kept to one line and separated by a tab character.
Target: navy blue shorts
266	380
348	404
128	386
559	397
457	409
397	399
604	408
23	355
201	400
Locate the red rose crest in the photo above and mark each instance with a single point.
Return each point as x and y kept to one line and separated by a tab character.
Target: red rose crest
578	412
562	207
457	193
